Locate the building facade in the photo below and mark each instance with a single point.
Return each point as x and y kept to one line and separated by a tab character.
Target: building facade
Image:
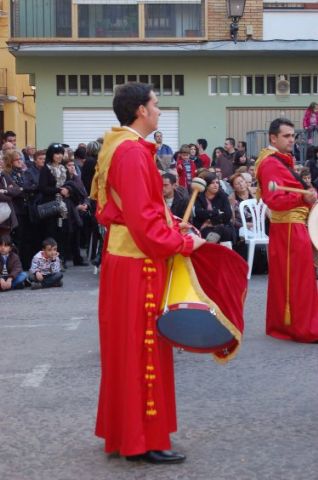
17	105
208	86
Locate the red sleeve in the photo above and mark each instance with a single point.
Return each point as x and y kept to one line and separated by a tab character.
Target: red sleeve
135	179
306	121
273	170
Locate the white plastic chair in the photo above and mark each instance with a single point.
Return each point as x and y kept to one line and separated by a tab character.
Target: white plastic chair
256	234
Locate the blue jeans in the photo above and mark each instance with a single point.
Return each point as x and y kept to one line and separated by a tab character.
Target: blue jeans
19	279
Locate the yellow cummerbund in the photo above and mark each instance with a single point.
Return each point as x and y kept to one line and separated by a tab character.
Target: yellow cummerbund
296	215
121	243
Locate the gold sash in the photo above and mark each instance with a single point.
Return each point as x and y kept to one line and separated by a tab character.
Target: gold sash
295	215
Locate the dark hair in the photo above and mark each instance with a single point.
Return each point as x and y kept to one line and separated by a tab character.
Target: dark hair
157	131
203	143
238	155
209	178
52	149
80	152
214	152
169	176
128	98
49	242
243	144
196	148
304	172
274	127
6	240
231	140
8	133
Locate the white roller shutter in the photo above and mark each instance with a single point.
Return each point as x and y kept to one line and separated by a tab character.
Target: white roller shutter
87	124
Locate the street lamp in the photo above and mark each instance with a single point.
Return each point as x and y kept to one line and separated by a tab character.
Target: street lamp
235	10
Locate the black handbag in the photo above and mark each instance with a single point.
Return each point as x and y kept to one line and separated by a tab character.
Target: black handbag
49	209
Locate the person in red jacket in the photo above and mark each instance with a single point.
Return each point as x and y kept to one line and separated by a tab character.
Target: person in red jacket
310	121
202	145
292	300
136	409
185	167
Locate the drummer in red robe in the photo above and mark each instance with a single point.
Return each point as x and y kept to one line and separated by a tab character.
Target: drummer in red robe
136	410
292	302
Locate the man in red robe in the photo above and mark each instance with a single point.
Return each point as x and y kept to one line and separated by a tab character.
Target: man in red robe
136	410
292	303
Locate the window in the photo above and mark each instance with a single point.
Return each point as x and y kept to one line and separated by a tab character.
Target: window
248	85
96	85
120	79
72	85
178	85
259	84
108	85
107	21
224	85
235	85
306	84
167	84
294	84
84	84
213	86
143	78
155	82
174	20
131	78
315	84
47	19
271	85
60	85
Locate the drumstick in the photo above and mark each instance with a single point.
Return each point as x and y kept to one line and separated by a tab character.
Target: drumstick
197	185
272	186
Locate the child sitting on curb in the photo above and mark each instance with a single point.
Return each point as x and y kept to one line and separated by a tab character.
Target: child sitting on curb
45	271
11	274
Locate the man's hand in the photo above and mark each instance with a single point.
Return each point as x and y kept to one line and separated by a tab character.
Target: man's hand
198	242
3	284
39	276
310	196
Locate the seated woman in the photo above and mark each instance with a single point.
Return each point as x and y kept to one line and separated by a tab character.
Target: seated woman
213	214
240	192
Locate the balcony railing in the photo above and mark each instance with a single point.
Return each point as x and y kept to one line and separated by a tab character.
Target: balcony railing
3	82
137	20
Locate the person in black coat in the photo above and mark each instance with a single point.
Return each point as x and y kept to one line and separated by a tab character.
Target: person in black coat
213	213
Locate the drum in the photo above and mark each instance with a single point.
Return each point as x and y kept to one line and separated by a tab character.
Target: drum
189	319
313	225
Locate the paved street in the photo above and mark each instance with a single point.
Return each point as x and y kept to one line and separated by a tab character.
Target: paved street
255	418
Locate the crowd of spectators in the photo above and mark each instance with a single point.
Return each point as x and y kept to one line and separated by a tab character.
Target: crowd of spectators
47	217
47	193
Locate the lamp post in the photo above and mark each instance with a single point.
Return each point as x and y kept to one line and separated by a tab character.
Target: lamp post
235	10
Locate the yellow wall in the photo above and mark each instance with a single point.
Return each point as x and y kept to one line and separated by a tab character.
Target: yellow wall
19	115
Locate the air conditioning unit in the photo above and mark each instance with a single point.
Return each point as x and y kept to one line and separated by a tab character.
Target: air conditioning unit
282	86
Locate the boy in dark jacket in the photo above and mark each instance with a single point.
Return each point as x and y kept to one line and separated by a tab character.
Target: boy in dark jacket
11	274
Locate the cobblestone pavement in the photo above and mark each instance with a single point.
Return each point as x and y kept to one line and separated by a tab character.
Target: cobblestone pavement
255	418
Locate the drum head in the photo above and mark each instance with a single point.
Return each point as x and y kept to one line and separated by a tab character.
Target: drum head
313	225
197	330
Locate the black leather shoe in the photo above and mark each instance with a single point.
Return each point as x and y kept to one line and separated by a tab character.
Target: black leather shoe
159	456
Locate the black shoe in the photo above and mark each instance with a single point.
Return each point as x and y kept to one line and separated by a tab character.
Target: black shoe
158	456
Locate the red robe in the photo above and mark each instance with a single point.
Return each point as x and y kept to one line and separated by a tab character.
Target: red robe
291	270
121	417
